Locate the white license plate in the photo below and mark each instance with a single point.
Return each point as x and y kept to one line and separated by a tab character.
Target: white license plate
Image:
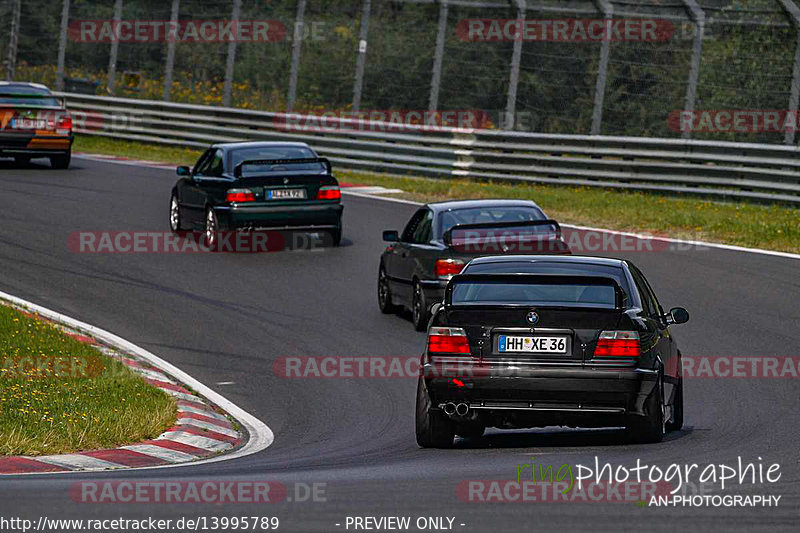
286	194
532	344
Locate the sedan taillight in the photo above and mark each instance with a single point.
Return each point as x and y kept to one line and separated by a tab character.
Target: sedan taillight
448	341
618	344
447	267
240	195
329	193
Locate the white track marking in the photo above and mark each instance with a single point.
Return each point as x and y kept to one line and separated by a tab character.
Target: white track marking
173	456
198	441
260	435
209	426
73	461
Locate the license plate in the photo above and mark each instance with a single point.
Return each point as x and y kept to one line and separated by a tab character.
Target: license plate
530	344
286	194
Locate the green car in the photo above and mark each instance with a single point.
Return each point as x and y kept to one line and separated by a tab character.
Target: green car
257	186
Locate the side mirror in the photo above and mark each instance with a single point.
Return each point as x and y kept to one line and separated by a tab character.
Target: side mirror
391	236
183	171
679	315
436	307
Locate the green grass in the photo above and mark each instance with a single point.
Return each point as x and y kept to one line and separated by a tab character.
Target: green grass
82	399
772	227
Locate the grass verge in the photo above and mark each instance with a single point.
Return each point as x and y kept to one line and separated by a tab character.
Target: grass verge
60	395
772	227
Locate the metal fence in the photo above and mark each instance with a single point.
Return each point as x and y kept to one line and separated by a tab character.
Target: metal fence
760	172
413	55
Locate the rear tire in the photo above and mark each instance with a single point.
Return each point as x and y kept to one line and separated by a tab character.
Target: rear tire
210	230
175	223
336	235
385	294
434	429
419	308
652	427
61	161
677	408
470	431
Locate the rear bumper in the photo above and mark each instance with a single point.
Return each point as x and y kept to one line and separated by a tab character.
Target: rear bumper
14	144
433	289
312	216
559	396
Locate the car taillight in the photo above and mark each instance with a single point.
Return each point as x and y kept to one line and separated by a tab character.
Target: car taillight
448	267
240	195
329	193
448	340
618	344
64	123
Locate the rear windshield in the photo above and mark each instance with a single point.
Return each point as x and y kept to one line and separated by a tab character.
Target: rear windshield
551	267
484	215
274	152
545	294
24	96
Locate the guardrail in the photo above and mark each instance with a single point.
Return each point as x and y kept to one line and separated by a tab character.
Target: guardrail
749	171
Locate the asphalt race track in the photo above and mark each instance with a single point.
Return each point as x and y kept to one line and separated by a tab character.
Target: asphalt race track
227	317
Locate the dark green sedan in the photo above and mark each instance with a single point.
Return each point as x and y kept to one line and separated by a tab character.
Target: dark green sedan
257	186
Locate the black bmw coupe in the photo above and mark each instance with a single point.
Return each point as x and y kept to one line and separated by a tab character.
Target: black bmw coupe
257	185
523	341
440	238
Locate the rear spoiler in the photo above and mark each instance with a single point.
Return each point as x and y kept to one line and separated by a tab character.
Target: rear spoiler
448	235
621	297
237	170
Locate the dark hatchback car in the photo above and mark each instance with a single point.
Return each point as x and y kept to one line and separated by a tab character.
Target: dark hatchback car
440	238
524	342
257	185
34	123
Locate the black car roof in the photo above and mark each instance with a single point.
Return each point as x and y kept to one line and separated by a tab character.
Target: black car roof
6	85
580	259
449	205
260	144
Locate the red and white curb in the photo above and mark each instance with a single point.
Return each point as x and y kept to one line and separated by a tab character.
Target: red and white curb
208	428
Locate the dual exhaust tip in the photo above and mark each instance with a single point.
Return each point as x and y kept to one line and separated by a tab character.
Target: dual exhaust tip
460	409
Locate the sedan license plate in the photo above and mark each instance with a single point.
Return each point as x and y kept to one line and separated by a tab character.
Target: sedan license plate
285	194
530	344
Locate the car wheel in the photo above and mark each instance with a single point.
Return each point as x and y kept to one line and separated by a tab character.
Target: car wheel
210	230
470	431
336	235
653	427
174	214
22	160
419	309
434	429
60	161
677	408
385	294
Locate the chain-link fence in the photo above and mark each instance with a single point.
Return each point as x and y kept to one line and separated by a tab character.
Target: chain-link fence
713	69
